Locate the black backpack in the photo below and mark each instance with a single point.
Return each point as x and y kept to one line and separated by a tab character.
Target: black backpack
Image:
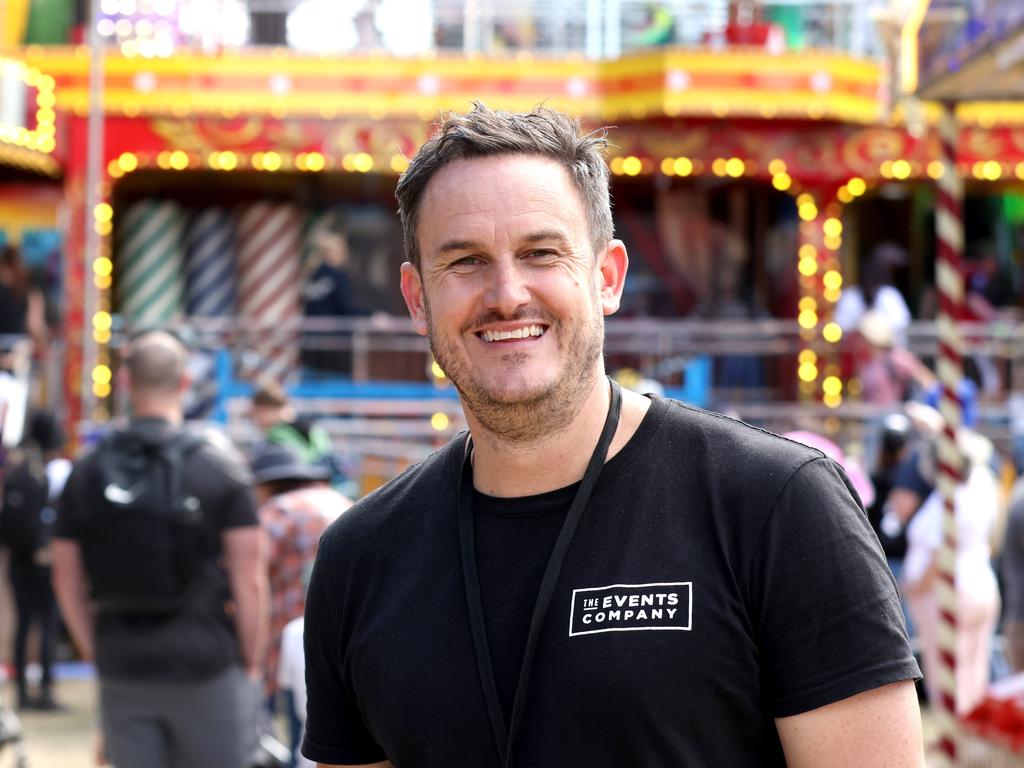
144	539
26	519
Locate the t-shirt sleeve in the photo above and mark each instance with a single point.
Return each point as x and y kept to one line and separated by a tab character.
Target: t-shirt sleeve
335	732
826	610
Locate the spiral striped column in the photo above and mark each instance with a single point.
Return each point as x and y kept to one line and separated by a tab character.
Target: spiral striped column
269	247
949	278
210	293
210	264
150	263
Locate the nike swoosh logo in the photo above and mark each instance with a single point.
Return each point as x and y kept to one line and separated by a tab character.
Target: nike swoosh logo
119	495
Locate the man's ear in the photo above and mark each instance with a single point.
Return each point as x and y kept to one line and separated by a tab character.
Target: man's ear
412	292
614	263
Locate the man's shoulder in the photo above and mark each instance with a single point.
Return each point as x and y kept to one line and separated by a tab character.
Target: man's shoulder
403	504
216	455
731	445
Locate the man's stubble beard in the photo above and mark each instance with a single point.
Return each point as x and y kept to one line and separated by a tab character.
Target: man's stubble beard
546	412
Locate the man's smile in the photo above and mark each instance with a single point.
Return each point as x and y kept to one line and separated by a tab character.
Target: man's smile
512	334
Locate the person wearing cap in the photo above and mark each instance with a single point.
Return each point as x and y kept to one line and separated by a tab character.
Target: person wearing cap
976	506
891	371
589	576
296	504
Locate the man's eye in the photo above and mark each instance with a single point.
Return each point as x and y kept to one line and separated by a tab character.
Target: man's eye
466	261
541	253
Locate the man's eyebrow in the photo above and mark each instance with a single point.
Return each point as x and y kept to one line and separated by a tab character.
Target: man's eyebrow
458	245
453	246
546	234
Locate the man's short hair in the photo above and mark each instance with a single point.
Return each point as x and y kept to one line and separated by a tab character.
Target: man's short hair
269	394
483	132
156	362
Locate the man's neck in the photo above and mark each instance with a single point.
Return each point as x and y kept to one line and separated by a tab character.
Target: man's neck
162	411
556	460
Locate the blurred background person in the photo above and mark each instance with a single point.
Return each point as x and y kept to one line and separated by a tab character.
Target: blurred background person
876	291
328	293
889	373
296	504
22	307
272	411
30	493
894	446
977	508
1012	571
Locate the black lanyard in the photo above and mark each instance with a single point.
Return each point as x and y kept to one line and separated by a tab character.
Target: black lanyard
505	738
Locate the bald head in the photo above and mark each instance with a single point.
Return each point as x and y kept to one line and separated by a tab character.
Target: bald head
156	363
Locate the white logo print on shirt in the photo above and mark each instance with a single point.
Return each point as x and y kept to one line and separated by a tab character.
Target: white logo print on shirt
631	607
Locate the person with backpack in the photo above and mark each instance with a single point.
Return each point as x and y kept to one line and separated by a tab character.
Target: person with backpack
30	491
160	572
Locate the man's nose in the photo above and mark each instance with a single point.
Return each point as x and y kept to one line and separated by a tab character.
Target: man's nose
508	288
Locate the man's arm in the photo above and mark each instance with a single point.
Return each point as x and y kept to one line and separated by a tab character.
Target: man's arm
245	560
71	586
880	728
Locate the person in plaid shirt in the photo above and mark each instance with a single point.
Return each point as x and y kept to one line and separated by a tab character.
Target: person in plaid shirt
296	503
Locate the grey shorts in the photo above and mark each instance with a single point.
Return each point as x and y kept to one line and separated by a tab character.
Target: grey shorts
180	725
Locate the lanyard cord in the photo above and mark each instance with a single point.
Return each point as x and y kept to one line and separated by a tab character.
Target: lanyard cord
505	738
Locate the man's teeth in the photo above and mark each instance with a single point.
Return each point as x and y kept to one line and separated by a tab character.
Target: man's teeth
518	333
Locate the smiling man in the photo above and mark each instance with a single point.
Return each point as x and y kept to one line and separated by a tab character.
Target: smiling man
589	576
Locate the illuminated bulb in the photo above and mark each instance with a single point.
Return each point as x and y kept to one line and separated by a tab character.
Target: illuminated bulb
315	161
631	166
271	161
103	266
103	212
734	167
782	181
668	166
436	371
832	280
936	169
807	356
615	165
439	421
178	160
832	227
683	166
807	372
101	374
363	163
808	211
808	267
718	167
399	163
832	332
127	162
776	166
808	304
901	169
808	318
856	186
832	385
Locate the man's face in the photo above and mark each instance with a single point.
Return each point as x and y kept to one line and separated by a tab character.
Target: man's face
509	288
265	416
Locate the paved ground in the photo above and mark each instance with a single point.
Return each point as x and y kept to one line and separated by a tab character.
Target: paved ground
65	739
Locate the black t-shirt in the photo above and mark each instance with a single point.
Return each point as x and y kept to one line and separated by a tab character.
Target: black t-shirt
199	641
720	577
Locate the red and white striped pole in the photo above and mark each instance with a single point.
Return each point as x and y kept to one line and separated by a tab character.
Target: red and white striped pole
949	278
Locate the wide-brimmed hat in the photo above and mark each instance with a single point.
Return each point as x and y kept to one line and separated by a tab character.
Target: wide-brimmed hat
272	462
